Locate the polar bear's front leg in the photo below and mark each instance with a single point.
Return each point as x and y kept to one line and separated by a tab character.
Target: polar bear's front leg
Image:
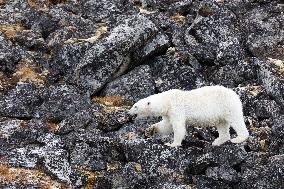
164	127
179	132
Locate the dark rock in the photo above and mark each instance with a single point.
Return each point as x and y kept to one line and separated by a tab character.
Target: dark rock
212	38
10	55
95	154
208	183
223	173
272	80
264	33
228	154
133	86
111	120
99	10
266	108
172	73
64	101
129	176
269	175
111	56
21	102
233	74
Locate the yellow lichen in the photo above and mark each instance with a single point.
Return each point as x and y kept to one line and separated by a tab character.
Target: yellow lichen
26	73
52	127
28	176
100	31
6	83
261	129
34	5
138	167
145	11
113	166
262	144
91	177
10	30
254	90
110	100
2	2
129	136
178	18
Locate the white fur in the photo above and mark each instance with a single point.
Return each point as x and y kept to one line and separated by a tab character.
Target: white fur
207	106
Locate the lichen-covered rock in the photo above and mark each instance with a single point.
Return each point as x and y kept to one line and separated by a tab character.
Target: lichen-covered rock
64	101
10	55
172	73
257	175
223	173
133	86
272	79
21	102
69	70
233	75
112	55
264	33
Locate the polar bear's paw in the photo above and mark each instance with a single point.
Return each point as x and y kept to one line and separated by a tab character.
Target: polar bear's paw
219	141
238	139
173	145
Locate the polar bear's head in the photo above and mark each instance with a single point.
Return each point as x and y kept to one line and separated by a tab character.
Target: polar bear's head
150	106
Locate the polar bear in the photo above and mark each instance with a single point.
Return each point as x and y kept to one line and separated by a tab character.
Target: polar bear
206	106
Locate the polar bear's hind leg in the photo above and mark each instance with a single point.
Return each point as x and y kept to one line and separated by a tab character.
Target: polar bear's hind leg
224	134
242	133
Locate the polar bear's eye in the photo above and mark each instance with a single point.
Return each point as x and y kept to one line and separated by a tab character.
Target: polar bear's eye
135	106
148	103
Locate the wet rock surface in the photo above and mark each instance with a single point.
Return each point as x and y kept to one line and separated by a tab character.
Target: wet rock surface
70	70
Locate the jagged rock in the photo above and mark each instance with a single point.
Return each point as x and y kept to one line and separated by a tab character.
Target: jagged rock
262	174
64	101
10	55
172	73
95	154
133	86
99	10
111	120
111	56
60	132
266	108
223	173
264	33
272	80
21	102
213	38
232	75
205	182
228	154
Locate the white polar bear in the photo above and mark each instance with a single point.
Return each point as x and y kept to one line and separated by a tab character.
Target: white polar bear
207	106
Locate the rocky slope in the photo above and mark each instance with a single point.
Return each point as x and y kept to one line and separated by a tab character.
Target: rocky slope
70	69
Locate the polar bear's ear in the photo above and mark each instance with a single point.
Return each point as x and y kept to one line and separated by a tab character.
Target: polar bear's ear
148	103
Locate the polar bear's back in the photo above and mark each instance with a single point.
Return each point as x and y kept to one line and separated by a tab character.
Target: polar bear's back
207	103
